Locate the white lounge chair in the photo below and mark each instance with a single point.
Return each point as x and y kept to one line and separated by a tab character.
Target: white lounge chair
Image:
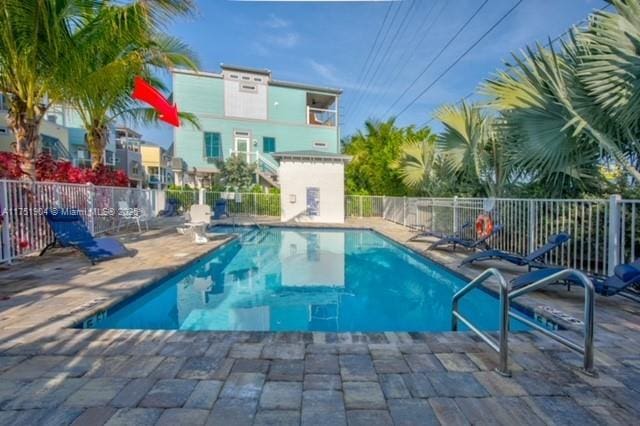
127	214
199	214
198	219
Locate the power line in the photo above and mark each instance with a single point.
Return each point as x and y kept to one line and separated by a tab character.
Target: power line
435	58
549	44
366	68
385	56
402	61
454	63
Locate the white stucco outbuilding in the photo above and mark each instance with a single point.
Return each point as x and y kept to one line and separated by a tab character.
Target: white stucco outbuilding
311	186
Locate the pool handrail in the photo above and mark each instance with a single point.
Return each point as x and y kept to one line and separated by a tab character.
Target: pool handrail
589	305
587	350
502	345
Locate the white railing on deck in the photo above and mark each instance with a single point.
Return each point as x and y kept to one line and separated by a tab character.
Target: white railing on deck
605	232
247	203
24	229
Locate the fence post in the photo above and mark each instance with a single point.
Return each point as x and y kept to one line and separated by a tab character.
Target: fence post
532	225
201	196
404	211
384	207
614	233
91	195
5	217
360	197
455	214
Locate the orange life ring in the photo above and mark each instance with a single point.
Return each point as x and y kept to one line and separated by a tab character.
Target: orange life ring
484	225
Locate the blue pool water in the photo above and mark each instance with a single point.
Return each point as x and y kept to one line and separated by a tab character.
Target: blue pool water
300	279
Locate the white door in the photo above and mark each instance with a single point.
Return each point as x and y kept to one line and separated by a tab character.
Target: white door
242	146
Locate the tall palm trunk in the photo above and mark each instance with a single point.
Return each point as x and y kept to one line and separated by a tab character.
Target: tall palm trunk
97	138
25	127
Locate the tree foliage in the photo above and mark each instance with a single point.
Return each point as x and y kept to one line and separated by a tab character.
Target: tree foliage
120	42
375	151
83	53
236	174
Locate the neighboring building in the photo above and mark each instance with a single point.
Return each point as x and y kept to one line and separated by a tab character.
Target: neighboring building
128	157
156	162
54	137
79	152
245	112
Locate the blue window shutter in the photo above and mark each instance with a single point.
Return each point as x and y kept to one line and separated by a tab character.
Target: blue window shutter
268	144
212	145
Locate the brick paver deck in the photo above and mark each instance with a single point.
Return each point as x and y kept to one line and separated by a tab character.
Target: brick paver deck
52	374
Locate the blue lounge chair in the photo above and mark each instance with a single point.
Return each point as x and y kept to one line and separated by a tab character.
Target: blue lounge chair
533	259
220	209
624	276
70	231
455	241
437	234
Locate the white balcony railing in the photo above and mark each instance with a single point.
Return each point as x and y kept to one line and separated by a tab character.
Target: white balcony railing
321	117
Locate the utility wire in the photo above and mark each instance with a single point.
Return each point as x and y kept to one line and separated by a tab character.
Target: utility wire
435	58
371	49
366	67
549	44
454	63
403	61
386	56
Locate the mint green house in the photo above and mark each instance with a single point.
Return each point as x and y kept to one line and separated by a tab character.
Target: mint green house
245	112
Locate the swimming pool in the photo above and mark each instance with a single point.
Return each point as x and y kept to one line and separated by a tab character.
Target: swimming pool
303	279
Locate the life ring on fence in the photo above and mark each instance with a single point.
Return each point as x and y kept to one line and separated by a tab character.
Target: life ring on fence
484	225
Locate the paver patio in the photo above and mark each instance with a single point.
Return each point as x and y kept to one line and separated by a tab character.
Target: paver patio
53	374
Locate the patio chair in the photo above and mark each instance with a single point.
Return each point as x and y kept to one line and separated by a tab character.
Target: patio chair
535	259
170	209
70	231
481	243
199	214
624	276
220	209
199	219
438	234
128	214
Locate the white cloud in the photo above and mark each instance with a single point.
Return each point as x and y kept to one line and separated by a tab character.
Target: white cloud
286	40
276	22
325	71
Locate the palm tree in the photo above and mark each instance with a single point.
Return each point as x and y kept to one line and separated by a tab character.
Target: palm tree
418	162
120	43
35	38
470	146
561	109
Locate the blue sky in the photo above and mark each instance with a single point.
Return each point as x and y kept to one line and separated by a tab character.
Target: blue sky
326	43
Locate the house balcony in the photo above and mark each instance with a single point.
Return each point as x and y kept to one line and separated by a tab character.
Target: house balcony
321	117
322	110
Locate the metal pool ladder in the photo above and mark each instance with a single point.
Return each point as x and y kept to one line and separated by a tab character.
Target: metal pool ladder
502	344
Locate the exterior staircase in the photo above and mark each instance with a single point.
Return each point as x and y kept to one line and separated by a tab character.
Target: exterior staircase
267	169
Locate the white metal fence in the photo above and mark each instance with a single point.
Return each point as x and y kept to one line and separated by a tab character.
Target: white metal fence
22	205
238	203
604	232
